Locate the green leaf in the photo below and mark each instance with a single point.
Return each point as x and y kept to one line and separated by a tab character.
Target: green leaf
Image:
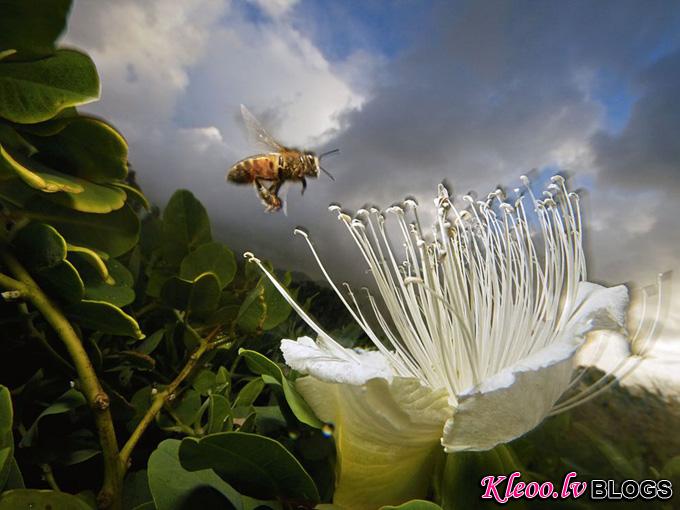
175	488
134	194
70	400
35	174
32	92
219	412
114	233
117	289
104	317
203	381
6	53
185	226
93	258
34	499
184	412
6	437
262	365
14	480
32	26
254	465
86	147
16	192
136	489
249	393
62	280
210	257
416	504
14	142
264	308
151	342
671	469
202	294
94	198
617	458
462	470
39	246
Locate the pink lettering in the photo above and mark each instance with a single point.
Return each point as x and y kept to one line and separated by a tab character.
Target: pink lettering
532	490
491	483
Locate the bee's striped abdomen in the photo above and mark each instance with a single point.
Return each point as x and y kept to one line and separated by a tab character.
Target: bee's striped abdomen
259	167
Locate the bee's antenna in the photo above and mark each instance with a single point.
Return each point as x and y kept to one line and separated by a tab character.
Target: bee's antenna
327	172
328	153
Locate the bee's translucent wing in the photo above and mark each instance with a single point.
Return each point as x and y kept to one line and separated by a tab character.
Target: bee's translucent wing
258	133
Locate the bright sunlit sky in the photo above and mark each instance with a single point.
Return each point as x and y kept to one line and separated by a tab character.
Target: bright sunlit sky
412	92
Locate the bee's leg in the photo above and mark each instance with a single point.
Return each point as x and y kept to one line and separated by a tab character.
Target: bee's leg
273	191
304	185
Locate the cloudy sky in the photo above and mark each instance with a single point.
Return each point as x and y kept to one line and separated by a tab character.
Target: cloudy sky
476	93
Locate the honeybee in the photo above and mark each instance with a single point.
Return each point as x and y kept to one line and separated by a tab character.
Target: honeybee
276	167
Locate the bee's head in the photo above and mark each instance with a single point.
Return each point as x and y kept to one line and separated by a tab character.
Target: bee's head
315	160
312	164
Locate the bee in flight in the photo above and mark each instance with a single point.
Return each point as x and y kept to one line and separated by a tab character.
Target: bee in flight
275	168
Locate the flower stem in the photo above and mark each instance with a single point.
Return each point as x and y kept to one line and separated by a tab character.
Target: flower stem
110	495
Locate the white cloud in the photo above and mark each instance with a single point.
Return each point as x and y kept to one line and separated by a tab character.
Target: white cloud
275	8
175	72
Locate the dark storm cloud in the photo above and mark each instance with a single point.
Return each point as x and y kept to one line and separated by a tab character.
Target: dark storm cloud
495	88
484	92
646	154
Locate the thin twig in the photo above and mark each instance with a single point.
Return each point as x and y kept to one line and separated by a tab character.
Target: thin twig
163	396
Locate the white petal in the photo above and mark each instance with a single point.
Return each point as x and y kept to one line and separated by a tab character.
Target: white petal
598	307
512	402
518	398
356	367
387	437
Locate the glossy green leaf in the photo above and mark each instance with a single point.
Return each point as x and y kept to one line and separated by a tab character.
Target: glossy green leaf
62	280
94	198
39	246
86	147
35	174
254	465
262	365
92	258
134	194
416	504
202	294
36	91
116	289
104	317
33	499
10	138
210	257
185	226
32	26
114	233
175	488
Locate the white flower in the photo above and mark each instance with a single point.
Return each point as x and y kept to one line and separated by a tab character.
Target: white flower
477	329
